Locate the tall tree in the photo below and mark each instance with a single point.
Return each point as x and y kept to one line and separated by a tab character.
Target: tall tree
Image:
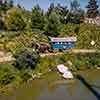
19	6
62	11
50	9
52	28
76	13
75	6
92	9
5	6
2	26
37	18
14	20
11	3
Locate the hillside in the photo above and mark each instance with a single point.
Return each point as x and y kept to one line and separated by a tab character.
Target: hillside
14	41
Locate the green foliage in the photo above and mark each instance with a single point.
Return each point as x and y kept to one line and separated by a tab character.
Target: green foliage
26	59
92	9
79	62
14	20
25	74
76	14
37	18
14	41
86	34
4	7
8	74
60	11
75	6
2	26
68	30
53	25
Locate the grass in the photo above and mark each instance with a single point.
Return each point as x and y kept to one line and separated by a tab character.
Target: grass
79	62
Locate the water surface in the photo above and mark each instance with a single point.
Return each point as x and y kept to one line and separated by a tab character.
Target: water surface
53	87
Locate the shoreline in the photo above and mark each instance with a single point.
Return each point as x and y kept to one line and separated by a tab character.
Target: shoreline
9	88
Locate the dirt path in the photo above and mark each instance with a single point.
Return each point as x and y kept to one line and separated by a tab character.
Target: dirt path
84	51
76	51
6	57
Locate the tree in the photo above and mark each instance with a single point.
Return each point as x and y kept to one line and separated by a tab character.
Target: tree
2	26
52	28
75	6
62	12
5	6
37	18
26	59
14	20
50	9
11	3
19	6
92	9
76	13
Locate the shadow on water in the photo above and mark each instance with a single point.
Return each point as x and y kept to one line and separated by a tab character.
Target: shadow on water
82	79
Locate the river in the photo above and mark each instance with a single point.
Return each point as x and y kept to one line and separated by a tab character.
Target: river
53	87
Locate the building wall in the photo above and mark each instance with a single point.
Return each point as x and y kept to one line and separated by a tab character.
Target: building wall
95	21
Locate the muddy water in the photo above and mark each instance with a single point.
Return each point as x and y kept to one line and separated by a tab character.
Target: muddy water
53	87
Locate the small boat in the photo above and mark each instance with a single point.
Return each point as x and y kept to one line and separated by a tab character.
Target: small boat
65	72
62	69
68	75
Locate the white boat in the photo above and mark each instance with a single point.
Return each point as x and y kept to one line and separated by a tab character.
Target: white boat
68	75
62	69
65	72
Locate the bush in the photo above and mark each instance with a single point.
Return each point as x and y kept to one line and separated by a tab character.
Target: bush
26	59
8	74
14	20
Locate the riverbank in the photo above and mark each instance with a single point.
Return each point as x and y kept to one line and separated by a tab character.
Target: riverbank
51	84
10	75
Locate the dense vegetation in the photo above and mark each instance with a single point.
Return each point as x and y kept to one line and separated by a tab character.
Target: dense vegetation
20	28
73	61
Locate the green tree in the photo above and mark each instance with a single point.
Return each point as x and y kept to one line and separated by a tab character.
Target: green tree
2	26
14	20
76	13
62	11
11	3
92	9
37	18
26	59
5	6
75	6
53	25
50	9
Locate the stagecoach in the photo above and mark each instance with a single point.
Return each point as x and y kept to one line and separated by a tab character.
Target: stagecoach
56	44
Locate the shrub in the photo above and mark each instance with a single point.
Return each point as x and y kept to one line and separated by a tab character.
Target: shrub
26	59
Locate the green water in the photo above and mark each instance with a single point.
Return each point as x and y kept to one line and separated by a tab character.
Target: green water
53	87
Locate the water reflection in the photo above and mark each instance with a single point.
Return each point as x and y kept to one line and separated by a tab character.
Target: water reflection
82	79
52	87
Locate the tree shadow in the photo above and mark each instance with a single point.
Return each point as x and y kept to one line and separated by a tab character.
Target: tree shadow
82	80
